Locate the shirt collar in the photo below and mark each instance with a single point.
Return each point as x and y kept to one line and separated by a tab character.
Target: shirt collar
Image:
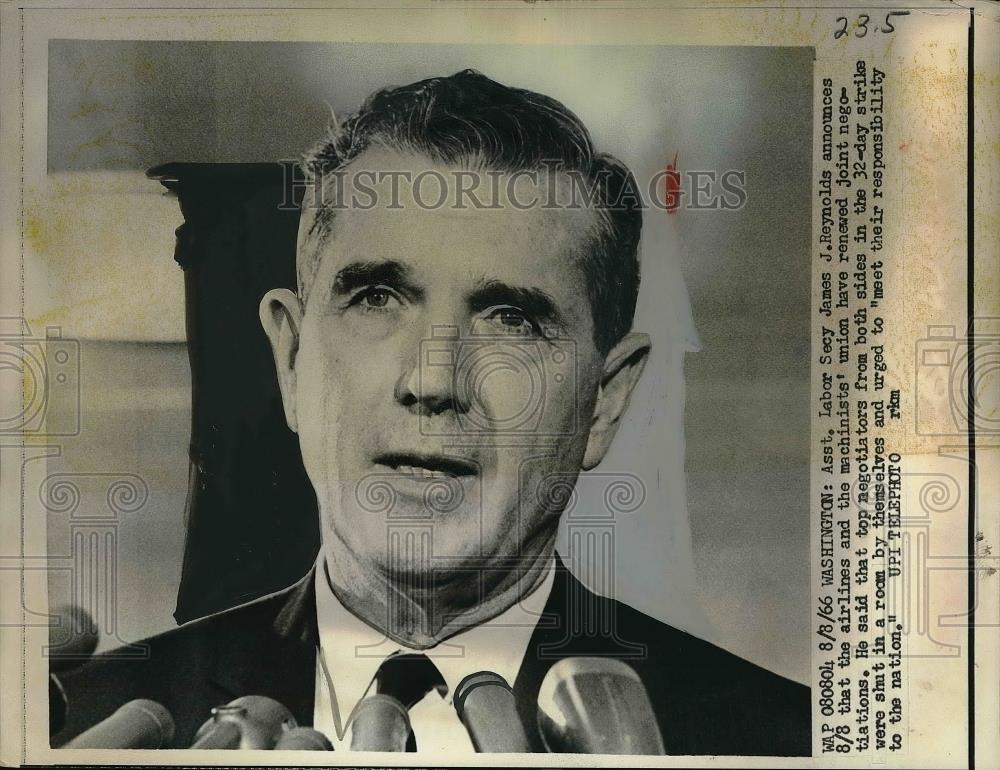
352	650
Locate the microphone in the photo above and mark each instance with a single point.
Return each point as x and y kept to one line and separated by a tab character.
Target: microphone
379	723
139	724
485	704
303	739
71	643
74	640
250	722
596	706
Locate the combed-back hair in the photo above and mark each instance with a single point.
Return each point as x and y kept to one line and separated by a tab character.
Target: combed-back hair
469	120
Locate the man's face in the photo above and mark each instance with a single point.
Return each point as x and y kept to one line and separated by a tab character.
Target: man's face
445	375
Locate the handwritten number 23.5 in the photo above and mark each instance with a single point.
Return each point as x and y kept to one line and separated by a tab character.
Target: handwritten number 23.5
863	20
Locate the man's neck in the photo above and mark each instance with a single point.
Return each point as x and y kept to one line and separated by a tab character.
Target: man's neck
420	612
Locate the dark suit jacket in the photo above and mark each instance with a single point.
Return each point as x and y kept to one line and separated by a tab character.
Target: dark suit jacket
707	701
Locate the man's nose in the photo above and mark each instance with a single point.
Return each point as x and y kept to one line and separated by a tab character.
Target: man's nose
427	383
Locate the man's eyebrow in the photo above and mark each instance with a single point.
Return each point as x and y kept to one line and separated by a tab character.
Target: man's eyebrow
533	301
390	272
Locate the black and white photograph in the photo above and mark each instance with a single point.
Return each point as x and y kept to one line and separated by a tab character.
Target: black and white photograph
449	391
449	316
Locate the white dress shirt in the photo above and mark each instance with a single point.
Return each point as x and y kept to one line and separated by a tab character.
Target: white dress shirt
351	652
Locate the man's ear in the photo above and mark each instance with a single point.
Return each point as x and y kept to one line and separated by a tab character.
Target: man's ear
281	316
622	367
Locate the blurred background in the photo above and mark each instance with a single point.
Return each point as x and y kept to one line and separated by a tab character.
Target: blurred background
717	433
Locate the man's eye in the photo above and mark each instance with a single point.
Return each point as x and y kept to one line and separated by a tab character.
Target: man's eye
513	320
375	298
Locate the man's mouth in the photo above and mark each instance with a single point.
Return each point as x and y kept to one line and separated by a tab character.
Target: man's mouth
427	466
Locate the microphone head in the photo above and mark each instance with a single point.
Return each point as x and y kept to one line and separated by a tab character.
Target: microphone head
73	637
303	739
474	681
139	724
597	706
485	703
219	731
379	723
156	714
262	720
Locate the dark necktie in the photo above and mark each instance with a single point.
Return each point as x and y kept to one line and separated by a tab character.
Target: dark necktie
408	677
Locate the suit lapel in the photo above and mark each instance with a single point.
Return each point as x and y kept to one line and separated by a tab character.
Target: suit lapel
269	648
575	622
551	636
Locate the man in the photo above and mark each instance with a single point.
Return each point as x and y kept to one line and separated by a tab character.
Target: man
459	346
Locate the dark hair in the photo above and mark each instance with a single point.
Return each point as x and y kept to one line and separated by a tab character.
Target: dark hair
468	118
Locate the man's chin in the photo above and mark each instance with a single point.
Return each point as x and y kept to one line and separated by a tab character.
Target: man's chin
419	560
